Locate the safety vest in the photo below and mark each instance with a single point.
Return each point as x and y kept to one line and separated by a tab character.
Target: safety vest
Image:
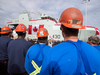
35	63
81	57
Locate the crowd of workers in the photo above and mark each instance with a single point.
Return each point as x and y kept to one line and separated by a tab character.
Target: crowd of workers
20	56
49	42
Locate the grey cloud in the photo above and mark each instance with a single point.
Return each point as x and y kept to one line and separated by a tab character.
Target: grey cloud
10	9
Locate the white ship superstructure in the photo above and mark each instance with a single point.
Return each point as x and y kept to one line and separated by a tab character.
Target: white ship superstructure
50	24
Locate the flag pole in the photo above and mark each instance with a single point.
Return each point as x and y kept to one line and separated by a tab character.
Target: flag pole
85	20
85	34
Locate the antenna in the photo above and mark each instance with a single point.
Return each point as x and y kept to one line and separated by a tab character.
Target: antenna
39	13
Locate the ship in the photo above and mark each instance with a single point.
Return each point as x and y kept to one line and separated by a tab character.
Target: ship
50	24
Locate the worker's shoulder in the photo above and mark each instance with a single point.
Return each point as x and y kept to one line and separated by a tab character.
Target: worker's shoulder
36	46
63	45
33	47
3	38
90	50
68	46
86	46
47	47
97	47
29	43
23	41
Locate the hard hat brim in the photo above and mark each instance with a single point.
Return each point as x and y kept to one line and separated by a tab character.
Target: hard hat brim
20	30
74	26
43	36
4	32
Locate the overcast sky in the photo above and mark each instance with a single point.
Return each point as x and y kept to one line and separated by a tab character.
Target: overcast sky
10	9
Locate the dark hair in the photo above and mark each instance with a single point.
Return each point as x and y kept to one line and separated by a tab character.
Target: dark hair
0	29
42	39
20	33
69	31
6	34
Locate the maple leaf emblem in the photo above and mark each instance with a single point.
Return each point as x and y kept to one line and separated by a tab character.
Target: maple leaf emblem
35	29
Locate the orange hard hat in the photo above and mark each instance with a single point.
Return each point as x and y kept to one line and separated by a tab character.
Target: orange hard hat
72	18
42	32
21	28
5	30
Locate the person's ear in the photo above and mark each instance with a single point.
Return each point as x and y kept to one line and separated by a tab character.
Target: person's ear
61	28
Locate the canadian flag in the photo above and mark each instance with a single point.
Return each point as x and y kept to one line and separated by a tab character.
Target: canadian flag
34	28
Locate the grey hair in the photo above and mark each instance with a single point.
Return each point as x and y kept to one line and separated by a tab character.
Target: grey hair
94	39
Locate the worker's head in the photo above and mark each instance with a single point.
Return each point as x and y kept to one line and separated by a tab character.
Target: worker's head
71	20
67	32
93	40
42	35
21	30
6	31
